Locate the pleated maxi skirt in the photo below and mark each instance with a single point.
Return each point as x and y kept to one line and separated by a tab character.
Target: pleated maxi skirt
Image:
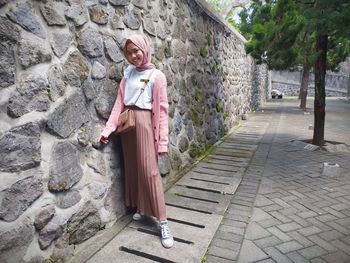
143	183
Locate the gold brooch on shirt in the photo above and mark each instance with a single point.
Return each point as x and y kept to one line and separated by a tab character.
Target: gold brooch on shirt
144	80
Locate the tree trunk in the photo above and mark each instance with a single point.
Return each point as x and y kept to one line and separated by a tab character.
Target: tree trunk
304	87
320	90
348	95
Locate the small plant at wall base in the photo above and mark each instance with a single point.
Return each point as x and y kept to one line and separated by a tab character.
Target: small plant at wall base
209	38
218	106
195	117
198	95
203	52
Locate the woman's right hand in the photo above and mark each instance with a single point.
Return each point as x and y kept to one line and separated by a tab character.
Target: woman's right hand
103	139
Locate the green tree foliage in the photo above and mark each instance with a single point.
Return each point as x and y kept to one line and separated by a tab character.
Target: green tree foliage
287	33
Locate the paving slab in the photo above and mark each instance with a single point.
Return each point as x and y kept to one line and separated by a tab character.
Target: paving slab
139	242
211	183
251	253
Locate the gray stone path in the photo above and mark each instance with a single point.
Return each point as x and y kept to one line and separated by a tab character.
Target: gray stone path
259	197
285	210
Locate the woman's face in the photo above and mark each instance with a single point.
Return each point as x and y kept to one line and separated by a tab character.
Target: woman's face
134	54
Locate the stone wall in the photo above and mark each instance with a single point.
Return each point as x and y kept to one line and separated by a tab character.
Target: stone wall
288	82
60	65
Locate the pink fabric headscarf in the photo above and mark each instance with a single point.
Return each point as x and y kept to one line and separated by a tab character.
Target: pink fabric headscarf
142	43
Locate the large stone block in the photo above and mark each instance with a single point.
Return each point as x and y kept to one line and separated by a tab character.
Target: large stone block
14	239
75	69
78	14
53	230
7	63
99	14
96	162
32	52
24	15
120	2
20	148
98	71
9	35
31	95
113	51
68	199
65	169
106	98
97	190
90	42
53	13
131	20
72	113
84	224
60	41
57	87
44	216
16	199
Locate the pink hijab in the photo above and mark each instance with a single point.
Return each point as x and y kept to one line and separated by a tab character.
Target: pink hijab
142	43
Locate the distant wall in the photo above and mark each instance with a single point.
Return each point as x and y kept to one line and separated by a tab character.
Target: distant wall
289	83
60	66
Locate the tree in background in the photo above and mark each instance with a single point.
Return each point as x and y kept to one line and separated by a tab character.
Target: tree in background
285	33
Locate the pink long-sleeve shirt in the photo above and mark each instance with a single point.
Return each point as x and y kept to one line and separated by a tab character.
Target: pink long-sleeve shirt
159	112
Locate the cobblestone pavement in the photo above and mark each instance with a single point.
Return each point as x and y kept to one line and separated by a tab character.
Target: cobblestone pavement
285	209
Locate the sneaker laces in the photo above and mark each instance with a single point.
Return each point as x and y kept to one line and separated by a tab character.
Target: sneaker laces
165	230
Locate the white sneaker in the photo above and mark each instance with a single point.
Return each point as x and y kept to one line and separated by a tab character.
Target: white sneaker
137	216
166	239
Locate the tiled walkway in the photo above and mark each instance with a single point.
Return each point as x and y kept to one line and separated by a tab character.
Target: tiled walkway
259	197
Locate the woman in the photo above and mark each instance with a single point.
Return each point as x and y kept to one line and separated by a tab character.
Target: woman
143	184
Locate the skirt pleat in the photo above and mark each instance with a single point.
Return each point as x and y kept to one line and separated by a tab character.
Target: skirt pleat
143	183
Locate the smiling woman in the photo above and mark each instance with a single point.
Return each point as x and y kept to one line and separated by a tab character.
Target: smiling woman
143	90
134	54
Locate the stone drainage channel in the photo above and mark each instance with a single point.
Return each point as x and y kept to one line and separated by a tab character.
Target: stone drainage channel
196	205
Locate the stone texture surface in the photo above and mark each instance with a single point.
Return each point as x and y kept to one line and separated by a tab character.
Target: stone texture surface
98	71
23	15
97	190
20	148
99	14
130	19
90	43
31	95
44	216
65	169
53	13
16	199
120	2
84	224
78	13
31	53
72	113
60	42
75	69
14	238
7	58
53	230
106	97
68	199
114	198
112	49
9	35
57	87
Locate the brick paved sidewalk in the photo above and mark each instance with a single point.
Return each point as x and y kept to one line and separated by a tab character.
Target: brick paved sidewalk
259	197
285	210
